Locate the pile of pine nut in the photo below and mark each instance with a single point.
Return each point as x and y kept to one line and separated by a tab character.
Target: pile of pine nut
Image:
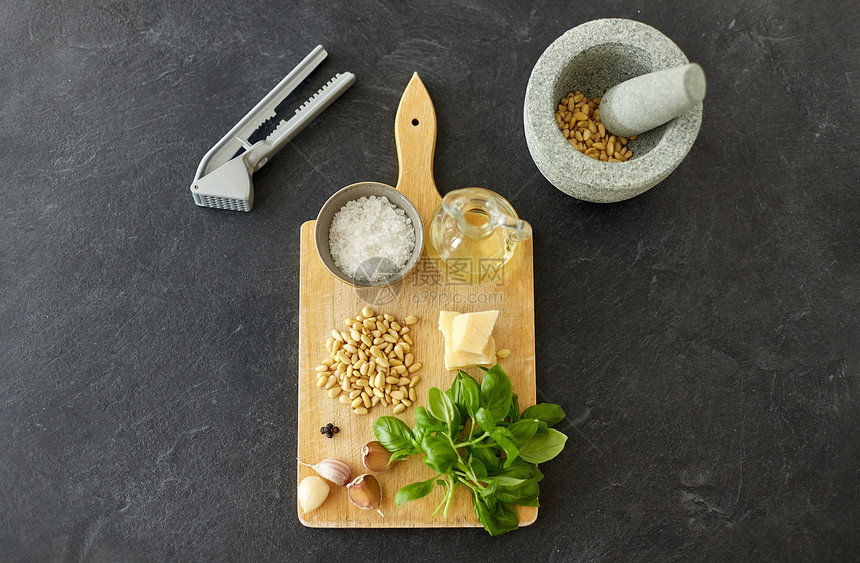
371	363
578	118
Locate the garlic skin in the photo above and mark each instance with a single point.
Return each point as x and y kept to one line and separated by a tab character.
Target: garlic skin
335	470
312	493
375	457
365	492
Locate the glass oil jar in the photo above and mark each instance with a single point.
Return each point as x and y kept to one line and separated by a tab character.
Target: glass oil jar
473	235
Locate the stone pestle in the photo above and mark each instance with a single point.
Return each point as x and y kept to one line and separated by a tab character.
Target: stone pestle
648	101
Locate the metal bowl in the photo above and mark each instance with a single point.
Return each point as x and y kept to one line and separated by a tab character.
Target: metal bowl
353	192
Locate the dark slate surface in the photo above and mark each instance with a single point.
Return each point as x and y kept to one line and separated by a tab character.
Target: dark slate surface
703	337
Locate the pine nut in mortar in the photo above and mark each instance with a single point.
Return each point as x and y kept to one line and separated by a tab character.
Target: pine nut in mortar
578	119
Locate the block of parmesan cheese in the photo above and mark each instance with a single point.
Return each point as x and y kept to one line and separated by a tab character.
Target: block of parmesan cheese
457	360
472	331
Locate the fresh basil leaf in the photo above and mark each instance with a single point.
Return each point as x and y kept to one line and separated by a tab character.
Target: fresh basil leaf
550	413
489	491
520	469
441	406
478	467
504	438
456	392
485	516
464	376
471	395
523	430
393	434
496	392
517	491
425	420
439	455
396	456
543	448
523	492
487	458
414	491
514	411
496	517
506	481
504	431
485	419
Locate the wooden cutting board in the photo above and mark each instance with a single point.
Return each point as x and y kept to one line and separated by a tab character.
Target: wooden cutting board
324	303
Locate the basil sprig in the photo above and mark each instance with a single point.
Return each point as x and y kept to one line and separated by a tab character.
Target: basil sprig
473	435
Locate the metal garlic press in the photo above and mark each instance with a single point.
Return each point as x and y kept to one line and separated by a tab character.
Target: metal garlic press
223	178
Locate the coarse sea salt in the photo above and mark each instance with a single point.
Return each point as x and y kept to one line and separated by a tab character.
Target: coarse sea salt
371	238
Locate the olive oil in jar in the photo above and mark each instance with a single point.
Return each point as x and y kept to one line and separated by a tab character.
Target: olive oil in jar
473	235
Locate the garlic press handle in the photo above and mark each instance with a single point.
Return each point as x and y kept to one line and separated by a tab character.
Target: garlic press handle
223	178
308	111
237	137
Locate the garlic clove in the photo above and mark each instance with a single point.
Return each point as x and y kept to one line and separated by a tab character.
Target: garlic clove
375	457
365	492
335	470
312	493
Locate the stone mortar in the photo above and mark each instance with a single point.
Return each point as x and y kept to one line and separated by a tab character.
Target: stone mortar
592	58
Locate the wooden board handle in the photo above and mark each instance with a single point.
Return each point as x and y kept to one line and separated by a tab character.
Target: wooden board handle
415	136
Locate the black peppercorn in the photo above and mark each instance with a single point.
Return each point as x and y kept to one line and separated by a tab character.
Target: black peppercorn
329	430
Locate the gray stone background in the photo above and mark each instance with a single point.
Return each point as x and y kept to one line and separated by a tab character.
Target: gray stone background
702	337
